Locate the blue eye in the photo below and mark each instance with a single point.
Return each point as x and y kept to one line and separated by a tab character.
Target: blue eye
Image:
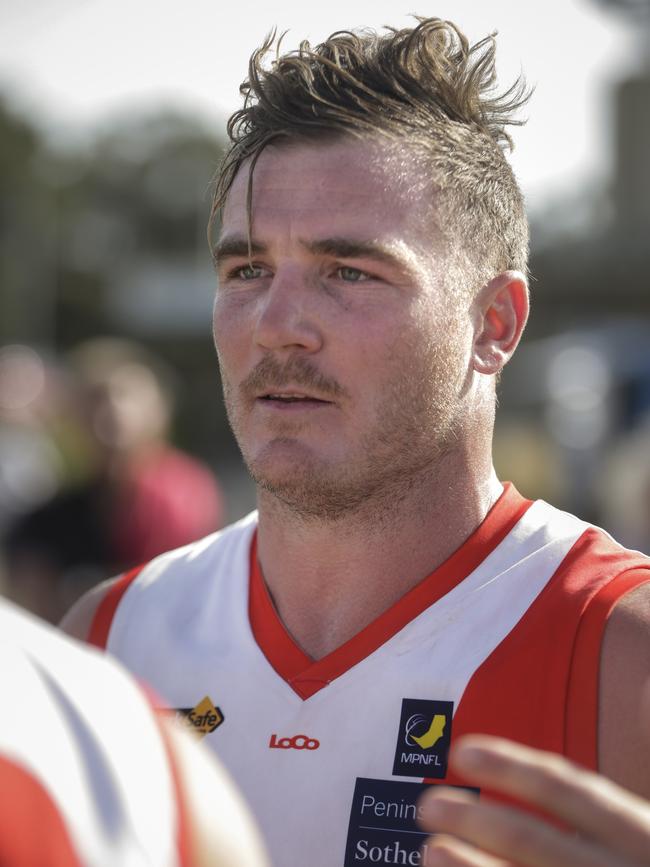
246	272
352	275
250	272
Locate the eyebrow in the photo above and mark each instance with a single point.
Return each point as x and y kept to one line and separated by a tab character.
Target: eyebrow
235	247
343	248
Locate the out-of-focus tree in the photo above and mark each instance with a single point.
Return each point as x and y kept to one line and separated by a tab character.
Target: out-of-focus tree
74	223
25	227
109	237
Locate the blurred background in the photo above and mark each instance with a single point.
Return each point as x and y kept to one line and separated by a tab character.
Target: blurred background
113	437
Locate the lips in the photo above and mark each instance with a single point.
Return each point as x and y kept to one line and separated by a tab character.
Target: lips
292	384
290	397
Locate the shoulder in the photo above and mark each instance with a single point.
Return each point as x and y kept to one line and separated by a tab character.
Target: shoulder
168	578
79	619
624	694
67	682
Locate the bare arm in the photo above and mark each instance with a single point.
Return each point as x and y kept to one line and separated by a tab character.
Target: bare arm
79	618
607	826
624	702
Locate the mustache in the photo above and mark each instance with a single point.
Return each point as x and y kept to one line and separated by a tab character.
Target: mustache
270	374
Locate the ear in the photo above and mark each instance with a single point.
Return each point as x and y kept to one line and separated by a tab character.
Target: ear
500	311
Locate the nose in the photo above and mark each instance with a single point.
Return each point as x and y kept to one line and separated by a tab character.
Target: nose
288	316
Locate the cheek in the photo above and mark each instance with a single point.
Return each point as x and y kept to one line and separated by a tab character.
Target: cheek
228	330
219	319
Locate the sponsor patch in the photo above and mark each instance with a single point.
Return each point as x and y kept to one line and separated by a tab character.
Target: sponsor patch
383	824
204	718
423	738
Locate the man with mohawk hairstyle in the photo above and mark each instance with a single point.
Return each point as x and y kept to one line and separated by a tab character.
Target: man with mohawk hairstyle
390	593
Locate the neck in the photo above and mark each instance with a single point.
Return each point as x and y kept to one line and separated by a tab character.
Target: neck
330	578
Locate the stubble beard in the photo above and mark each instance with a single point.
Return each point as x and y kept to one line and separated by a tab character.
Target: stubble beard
416	425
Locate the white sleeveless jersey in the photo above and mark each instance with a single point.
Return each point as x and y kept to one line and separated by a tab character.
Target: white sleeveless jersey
332	755
85	777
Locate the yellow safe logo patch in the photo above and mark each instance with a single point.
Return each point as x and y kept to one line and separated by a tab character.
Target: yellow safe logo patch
204	718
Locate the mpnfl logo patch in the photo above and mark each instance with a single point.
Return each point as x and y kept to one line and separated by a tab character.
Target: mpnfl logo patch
423	738
202	719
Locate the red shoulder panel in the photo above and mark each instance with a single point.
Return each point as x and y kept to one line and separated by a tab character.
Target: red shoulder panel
101	624
582	694
32	831
540	685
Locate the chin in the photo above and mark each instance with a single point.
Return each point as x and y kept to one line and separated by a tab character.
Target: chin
295	477
311	489
283	464
280	457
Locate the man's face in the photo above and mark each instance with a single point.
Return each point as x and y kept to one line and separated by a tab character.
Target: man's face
343	356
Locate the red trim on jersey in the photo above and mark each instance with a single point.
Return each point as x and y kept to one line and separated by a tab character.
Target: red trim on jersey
32	830
270	633
306	676
581	737
183	831
540	685
103	618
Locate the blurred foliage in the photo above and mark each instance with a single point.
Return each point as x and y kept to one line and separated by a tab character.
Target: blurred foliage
76	224
70	221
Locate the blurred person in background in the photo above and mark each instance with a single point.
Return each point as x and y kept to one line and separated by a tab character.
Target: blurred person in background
45	449
91	775
44	446
139	496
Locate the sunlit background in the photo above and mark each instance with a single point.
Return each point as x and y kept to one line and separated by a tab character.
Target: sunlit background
112	119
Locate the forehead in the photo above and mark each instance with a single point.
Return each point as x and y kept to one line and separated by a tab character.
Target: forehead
343	187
